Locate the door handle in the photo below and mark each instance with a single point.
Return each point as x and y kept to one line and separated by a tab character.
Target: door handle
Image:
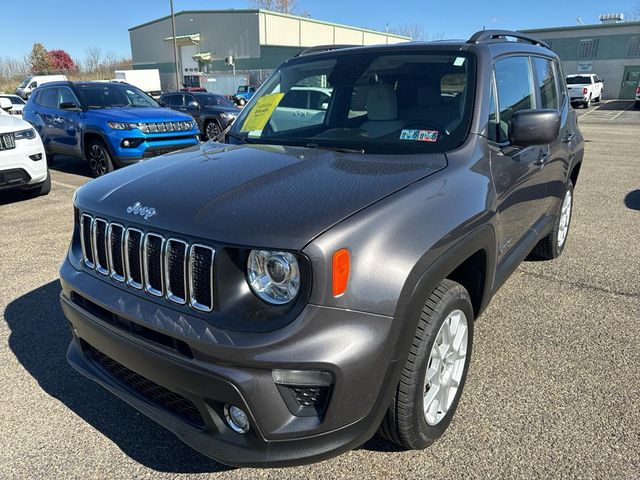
568	137
542	158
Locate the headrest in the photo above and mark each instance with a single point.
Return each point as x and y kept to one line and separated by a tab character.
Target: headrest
382	103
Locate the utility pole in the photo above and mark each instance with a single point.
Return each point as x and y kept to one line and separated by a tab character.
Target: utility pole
175	46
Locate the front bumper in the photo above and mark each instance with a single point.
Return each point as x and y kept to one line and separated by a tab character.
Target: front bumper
235	368
148	146
17	160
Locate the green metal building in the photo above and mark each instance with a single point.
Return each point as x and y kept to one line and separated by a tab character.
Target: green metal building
610	49
221	49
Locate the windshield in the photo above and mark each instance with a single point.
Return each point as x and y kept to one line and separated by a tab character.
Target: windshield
25	82
376	102
215	101
579	80
242	89
14	99
110	95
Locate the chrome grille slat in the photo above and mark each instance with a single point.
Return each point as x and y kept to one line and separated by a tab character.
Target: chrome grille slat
152	261
171	268
115	251
133	257
86	226
99	245
175	265
201	277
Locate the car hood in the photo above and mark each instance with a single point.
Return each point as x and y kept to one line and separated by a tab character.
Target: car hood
252	195
11	123
143	114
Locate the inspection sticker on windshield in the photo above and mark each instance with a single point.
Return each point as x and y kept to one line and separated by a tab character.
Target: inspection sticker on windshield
261	112
419	135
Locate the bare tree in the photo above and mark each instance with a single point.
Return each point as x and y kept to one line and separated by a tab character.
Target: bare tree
415	31
93	58
634	15
282	6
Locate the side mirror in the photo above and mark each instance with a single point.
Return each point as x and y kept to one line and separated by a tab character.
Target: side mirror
68	106
33	85
193	104
5	104
161	103
534	127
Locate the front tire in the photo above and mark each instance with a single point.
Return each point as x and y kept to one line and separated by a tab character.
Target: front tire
242	102
212	130
552	245
99	158
433	378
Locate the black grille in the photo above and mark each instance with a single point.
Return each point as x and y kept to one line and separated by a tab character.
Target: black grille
200	266
13	177
7	141
100	227
116	234
153	263
156	151
150	391
176	274
309	396
134	241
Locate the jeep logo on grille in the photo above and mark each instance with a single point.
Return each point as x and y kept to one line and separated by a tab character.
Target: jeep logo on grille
144	212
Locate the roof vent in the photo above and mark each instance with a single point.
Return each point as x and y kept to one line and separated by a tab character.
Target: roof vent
612	18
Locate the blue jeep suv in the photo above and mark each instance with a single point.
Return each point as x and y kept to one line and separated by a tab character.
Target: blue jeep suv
108	124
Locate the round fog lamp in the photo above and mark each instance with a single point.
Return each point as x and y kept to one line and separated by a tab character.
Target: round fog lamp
236	418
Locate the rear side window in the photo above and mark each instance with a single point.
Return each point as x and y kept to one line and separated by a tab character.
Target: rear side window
49	98
514	85
547	84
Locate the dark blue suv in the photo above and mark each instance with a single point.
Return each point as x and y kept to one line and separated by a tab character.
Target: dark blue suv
109	124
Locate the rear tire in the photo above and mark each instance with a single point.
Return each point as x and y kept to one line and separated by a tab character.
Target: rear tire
587	103
552	245
637	105
99	158
435	371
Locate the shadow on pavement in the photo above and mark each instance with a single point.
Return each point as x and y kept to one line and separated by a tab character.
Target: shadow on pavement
617	105
13	196
74	166
39	340
632	200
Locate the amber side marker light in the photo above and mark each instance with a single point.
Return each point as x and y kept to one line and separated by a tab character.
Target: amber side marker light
341	265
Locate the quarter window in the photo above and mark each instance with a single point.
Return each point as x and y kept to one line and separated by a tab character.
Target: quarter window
49	98
547	84
514	84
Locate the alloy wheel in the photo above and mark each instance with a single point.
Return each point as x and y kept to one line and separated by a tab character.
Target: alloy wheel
445	367
98	160
565	218
212	131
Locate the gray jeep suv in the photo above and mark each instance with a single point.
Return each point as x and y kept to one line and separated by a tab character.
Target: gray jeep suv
279	298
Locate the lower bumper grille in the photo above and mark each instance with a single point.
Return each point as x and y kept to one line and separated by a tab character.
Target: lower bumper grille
156	151
14	177
155	394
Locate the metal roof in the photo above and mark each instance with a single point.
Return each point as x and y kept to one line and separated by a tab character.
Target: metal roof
581	27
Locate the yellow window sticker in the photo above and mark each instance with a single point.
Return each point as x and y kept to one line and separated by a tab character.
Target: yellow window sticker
261	112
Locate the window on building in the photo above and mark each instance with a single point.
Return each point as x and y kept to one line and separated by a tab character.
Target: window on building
634	46
588	48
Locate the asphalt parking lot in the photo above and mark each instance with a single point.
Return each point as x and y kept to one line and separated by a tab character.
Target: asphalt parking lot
553	388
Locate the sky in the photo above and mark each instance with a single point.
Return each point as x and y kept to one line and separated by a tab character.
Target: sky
75	25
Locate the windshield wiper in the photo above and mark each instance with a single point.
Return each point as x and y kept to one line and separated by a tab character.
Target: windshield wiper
242	138
335	149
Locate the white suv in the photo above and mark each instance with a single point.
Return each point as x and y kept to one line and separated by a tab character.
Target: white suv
23	163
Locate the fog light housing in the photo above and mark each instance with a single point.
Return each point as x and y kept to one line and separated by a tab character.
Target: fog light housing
131	142
236	419
36	156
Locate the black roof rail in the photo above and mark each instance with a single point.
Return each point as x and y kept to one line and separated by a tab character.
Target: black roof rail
496	35
322	48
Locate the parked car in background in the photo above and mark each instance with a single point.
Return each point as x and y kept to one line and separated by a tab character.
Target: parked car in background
30	83
17	104
147	80
244	94
301	106
212	112
287	296
637	104
584	88
108	124
22	159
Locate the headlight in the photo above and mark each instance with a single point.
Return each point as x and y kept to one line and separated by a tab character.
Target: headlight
122	125
273	276
27	134
228	116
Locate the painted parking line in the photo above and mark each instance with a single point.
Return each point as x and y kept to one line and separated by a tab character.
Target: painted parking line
622	111
65	185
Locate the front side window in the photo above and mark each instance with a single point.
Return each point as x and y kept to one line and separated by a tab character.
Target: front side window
112	95
514	85
65	95
376	101
215	101
547	84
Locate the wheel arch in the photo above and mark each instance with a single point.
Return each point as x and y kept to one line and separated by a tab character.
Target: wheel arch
575	172
89	135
